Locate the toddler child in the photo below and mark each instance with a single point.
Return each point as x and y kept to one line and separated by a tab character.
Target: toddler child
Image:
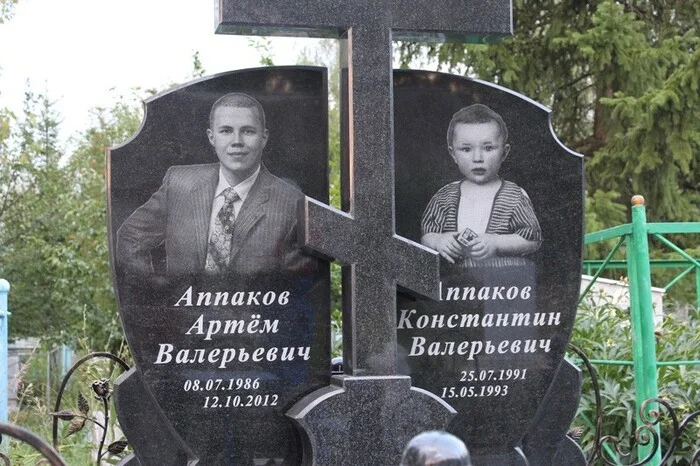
482	215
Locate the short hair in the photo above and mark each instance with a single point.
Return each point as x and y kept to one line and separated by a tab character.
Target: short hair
238	100
435	449
475	114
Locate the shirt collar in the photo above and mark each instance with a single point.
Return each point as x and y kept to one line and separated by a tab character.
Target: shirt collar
242	188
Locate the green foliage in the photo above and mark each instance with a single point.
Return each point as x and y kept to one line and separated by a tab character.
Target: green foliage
53	226
336	311
603	211
656	141
197	68
622	79
86	169
76	446
6	9
264	47
603	332
32	235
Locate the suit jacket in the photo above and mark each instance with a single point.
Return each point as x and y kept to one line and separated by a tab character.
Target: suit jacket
178	214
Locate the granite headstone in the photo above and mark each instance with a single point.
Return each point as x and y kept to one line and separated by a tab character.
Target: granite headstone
492	342
225	339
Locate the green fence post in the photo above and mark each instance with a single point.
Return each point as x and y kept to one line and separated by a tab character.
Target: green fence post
697	288
642	315
4	377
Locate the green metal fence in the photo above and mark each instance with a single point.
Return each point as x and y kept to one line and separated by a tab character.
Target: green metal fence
635	236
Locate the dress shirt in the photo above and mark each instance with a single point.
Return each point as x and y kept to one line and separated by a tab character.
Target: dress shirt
242	189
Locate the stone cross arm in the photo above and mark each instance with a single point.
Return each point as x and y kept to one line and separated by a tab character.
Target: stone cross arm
393	258
429	20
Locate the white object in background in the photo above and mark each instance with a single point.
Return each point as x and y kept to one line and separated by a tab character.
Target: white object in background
617	293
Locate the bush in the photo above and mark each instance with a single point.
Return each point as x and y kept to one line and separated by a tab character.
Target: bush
604	332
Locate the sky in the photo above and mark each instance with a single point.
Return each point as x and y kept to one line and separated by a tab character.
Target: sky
85	53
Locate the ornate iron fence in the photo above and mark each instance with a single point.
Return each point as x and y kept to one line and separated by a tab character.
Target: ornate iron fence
78	418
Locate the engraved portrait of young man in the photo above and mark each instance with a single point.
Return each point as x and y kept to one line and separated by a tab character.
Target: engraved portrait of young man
231	217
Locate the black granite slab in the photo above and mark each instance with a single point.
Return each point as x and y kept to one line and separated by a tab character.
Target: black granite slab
221	356
143	423
546	442
491	349
570	453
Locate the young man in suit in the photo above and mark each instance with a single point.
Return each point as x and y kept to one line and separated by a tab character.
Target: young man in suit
231	218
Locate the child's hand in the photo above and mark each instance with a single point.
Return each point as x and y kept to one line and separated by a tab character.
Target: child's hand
484	246
447	245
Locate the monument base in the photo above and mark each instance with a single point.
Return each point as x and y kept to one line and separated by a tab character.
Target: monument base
365	420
